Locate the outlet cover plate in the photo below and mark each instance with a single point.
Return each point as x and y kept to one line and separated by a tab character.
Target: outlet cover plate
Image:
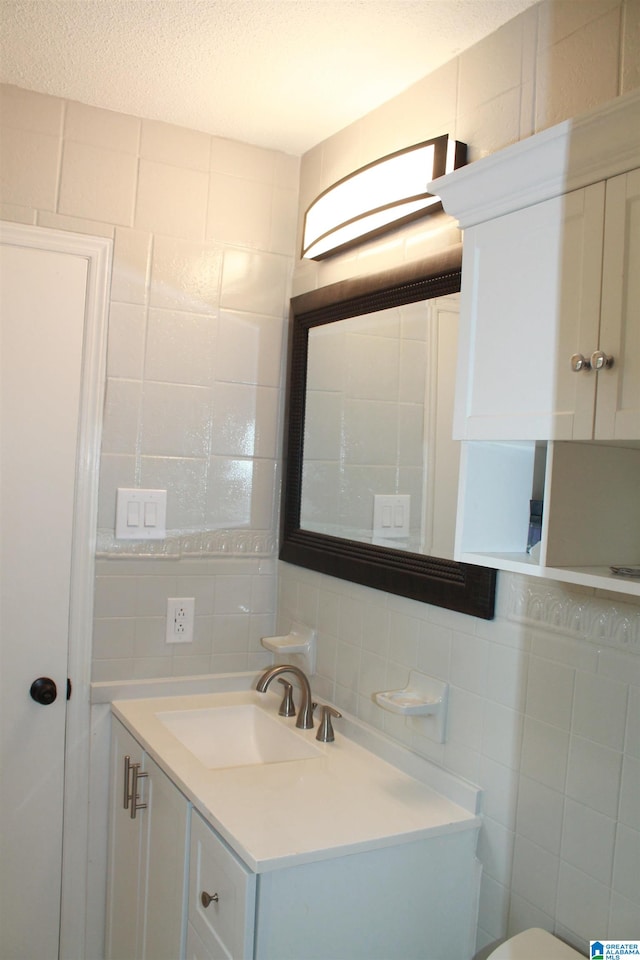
180	619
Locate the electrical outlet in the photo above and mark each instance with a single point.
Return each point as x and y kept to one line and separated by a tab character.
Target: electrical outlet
180	616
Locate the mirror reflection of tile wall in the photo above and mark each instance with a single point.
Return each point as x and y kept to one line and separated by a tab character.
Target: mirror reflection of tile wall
378	422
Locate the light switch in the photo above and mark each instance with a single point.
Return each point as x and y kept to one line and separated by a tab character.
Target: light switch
141	514
150	513
391	516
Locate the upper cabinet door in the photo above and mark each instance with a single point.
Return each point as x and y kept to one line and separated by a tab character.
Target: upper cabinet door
618	403
531	286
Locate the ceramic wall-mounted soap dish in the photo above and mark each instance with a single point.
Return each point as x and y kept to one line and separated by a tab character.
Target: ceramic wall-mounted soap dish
423	701
297	647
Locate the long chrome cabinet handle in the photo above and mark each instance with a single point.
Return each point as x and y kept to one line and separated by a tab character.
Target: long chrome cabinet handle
127	775
132	774
136	774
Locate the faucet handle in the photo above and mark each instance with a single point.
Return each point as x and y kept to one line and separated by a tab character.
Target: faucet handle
287	707
325	730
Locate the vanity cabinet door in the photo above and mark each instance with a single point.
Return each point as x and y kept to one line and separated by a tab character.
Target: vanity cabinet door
618	404
164	871
123	926
146	885
530	301
222	896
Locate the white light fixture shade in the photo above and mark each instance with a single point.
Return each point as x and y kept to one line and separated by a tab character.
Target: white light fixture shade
381	195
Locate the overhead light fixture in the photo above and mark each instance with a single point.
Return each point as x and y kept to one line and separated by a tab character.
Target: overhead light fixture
379	196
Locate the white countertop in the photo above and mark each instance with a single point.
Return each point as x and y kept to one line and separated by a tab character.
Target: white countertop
274	815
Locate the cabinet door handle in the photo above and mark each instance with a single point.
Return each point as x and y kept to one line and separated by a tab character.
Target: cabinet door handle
600	360
136	774
578	363
127	777
207	898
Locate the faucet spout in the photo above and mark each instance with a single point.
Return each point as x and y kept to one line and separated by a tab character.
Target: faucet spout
305	715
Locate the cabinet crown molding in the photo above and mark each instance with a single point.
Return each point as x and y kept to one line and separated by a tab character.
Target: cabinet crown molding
575	153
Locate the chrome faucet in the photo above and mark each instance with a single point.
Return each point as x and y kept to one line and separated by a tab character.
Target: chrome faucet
325	731
305	715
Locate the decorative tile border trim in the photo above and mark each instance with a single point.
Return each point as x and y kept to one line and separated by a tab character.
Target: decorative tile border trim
556	608
208	543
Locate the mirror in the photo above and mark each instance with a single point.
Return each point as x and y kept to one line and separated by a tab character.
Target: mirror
379	463
329	527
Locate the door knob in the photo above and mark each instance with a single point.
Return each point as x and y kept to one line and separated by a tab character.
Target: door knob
600	360
44	691
578	363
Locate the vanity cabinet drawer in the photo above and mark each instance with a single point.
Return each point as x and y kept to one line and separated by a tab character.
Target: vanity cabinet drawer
228	888
195	949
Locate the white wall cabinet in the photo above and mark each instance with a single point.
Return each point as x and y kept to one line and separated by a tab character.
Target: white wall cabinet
543	287
551	258
529	301
550	350
618	397
146	890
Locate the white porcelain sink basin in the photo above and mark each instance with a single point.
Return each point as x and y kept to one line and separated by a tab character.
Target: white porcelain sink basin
236	736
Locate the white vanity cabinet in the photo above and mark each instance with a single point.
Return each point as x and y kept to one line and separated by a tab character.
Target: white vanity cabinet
339	855
146	887
375	905
548	380
408	900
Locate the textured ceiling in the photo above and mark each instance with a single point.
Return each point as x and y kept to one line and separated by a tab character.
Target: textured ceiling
284	74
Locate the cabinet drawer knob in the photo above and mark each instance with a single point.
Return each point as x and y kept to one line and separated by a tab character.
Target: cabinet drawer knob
600	360
207	898
578	362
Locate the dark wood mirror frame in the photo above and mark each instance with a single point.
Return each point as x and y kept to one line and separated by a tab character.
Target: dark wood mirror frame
463	587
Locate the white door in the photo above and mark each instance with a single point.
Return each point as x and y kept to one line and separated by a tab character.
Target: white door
45	303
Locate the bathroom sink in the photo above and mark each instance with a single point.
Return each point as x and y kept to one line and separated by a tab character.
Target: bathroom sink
236	736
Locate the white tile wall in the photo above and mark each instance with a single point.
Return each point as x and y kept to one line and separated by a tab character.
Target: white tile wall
544	715
235	606
533	719
203	234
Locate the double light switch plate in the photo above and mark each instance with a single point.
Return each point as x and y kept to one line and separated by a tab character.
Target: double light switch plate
141	514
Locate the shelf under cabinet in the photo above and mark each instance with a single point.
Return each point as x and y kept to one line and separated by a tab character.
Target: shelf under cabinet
591	511
599	578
